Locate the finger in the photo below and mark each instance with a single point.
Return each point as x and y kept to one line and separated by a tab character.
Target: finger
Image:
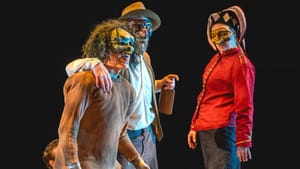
191	144
109	83
189	140
107	80
173	76
240	156
245	155
101	80
97	82
249	155
169	83
194	138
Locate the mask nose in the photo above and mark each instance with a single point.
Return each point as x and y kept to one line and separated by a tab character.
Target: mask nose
128	49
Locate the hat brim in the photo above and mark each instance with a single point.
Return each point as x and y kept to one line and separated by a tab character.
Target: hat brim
144	13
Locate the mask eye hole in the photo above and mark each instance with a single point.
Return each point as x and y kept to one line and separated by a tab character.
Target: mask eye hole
220	35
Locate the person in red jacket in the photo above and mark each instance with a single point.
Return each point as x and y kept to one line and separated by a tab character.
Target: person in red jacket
223	117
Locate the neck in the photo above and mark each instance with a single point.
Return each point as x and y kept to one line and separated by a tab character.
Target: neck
114	76
114	73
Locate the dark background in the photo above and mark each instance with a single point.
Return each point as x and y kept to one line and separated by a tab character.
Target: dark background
38	39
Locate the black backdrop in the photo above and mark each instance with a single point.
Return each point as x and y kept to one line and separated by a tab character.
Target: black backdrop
39	38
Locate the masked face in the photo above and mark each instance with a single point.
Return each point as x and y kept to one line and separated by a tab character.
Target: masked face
122	41
142	29
220	35
223	37
122	48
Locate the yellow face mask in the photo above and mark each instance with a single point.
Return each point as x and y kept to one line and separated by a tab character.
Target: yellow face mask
220	35
122	41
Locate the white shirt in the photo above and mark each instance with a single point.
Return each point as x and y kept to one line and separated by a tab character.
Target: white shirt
140	79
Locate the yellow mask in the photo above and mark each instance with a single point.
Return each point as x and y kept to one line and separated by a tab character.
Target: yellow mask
122	41
220	35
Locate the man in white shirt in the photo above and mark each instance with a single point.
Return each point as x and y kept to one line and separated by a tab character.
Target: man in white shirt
144	125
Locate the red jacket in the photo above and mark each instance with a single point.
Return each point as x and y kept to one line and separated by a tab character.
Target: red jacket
226	98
